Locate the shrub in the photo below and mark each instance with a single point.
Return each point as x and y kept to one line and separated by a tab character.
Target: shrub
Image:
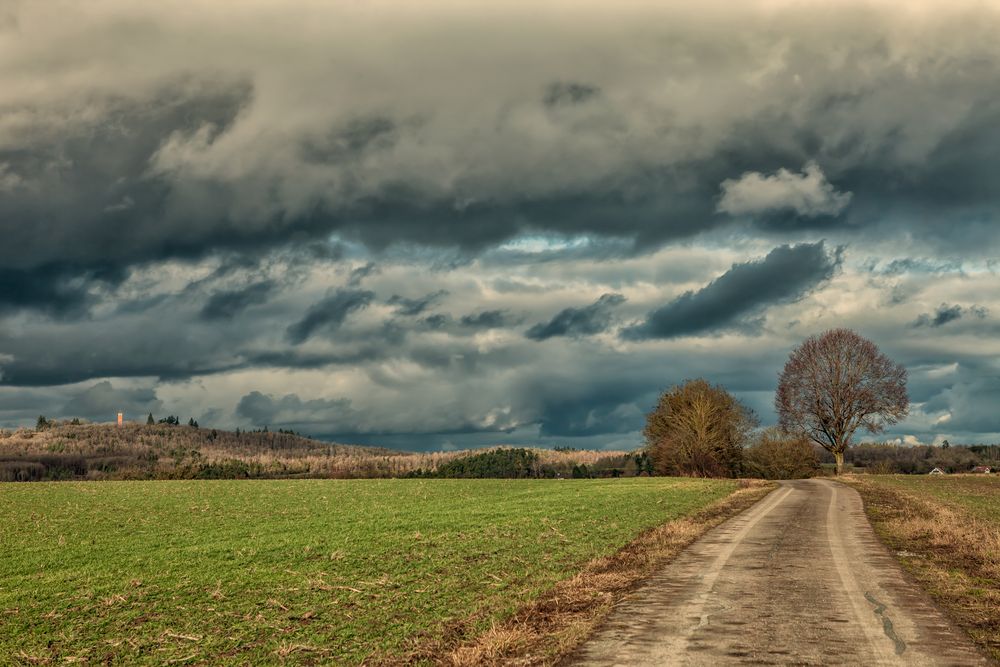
509	463
698	430
881	468
775	455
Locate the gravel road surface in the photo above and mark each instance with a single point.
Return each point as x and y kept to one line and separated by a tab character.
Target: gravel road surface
799	578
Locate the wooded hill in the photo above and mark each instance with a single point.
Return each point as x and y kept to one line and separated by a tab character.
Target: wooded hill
64	451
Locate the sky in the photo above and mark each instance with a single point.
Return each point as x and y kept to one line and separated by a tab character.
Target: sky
438	225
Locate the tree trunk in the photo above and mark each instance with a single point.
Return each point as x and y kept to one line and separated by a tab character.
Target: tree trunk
840	462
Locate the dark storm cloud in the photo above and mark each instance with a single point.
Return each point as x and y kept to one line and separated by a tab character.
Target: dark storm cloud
487	319
149	172
290	410
359	274
88	197
102	401
349	141
410	307
84	208
227	304
969	396
329	313
469	324
437	321
56	289
167	219
514	165
949	313
586	321
24	405
944	314
786	274
606	407
906	265
55	360
297	359
568	92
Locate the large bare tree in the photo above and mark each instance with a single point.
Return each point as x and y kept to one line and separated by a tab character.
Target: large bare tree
835	383
698	430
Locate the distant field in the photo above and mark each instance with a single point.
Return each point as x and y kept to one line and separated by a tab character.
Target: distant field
977	494
300	571
946	531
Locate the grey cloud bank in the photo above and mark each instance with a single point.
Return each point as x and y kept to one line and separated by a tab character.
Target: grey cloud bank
586	321
787	273
471	224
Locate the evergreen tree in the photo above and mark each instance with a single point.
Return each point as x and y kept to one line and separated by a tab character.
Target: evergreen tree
149	420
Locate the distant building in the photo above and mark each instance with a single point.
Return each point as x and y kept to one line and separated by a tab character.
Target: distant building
936	471
982	470
121	418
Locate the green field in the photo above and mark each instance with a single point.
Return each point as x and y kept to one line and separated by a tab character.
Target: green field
299	571
976	494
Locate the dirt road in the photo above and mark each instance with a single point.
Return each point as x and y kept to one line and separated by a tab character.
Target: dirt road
799	578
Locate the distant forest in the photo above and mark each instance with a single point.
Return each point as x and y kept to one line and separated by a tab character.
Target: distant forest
918	459
171	449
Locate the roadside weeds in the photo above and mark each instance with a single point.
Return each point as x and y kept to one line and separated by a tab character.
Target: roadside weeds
546	630
954	555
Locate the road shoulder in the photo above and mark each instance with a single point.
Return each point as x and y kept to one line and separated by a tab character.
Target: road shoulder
548	629
954	556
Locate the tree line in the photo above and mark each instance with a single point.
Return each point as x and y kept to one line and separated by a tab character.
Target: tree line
832	386
522	463
888	458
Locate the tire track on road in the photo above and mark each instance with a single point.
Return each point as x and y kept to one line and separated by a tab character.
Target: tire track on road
800	578
676	650
849	582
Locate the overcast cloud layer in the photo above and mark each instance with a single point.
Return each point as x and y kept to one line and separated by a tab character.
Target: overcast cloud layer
429	225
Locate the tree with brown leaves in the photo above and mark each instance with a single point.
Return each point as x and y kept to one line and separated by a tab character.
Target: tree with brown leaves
698	430
778	455
835	383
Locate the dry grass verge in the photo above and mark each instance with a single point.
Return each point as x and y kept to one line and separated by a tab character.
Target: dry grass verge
549	628
952	553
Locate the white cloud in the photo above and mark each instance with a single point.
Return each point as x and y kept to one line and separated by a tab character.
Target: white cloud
809	194
905	440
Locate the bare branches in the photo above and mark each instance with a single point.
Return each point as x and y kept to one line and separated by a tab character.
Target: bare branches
836	383
699	430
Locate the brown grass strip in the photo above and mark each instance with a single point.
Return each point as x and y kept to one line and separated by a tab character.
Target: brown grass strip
954	555
552	626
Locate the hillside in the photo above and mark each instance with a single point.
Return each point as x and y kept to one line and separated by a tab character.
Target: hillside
138	451
161	451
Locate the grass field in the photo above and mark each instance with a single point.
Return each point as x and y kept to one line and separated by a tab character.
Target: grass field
298	571
946	532
977	494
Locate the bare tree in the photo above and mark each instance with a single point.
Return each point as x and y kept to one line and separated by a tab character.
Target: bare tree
699	430
835	383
